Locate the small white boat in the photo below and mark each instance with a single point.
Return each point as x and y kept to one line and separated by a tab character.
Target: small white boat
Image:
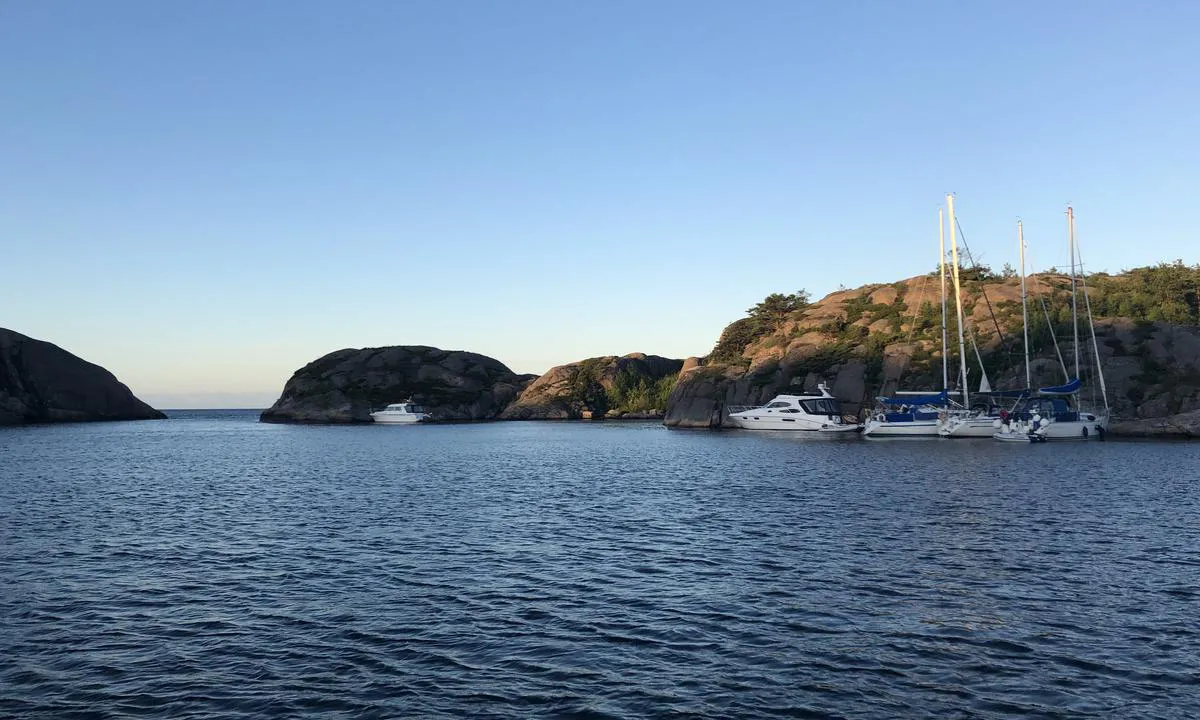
397	413
812	413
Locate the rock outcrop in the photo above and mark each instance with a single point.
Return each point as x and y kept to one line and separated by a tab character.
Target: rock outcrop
346	385
40	382
878	338
632	386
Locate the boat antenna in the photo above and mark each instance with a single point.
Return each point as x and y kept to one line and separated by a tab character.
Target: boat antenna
1024	303
942	272
1074	314
962	351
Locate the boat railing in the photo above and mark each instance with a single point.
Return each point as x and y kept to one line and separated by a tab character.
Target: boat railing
742	408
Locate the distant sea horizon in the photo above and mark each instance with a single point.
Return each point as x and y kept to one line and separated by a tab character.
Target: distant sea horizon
208	401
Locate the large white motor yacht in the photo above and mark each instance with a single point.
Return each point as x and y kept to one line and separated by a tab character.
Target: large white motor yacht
814	413
405	412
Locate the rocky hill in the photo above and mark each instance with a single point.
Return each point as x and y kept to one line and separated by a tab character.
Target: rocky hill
344	386
877	338
633	386
41	382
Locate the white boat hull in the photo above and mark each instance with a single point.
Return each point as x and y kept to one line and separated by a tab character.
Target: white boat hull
916	428
981	427
397	418
798	424
1088	427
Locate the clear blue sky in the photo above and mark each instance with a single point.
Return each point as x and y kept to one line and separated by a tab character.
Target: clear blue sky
205	196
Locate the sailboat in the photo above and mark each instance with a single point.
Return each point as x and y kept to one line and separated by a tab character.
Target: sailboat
909	414
1053	413
984	422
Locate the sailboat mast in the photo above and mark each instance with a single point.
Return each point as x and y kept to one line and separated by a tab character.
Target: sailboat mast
962	350
1074	314
1024	303
942	272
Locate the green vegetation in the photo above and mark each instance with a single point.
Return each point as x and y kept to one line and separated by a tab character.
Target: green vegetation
763	319
775	309
632	392
1168	292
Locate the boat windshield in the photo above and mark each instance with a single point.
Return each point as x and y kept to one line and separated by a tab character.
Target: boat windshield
822	406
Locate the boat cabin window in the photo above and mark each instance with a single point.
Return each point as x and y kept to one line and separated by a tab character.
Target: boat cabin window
822	406
779	404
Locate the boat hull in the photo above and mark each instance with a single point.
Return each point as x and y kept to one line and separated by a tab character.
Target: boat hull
1088	427
799	424
984	427
916	428
398	419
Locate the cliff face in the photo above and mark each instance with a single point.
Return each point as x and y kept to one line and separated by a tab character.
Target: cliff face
635	385
878	338
344	386
41	382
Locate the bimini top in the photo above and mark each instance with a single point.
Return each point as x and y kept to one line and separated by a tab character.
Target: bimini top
1069	389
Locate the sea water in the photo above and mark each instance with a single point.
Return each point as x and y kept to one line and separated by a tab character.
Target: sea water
209	566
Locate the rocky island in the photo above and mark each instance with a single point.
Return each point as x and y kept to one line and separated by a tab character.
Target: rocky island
42	383
346	385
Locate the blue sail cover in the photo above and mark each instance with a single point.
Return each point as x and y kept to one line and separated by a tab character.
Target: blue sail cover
1068	389
939	399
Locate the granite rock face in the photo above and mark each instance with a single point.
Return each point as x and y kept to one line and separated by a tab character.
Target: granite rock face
40	382
608	386
876	339
346	385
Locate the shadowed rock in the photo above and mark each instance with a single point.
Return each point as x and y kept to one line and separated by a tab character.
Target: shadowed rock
41	382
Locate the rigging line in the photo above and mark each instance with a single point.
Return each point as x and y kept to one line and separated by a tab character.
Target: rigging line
983	291
1087	303
1049	323
1032	287
912	326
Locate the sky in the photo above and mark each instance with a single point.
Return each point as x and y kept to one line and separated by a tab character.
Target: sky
204	197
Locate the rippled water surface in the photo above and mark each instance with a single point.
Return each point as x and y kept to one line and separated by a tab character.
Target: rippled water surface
211	566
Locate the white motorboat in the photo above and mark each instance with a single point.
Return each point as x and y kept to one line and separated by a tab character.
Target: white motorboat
400	413
813	413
